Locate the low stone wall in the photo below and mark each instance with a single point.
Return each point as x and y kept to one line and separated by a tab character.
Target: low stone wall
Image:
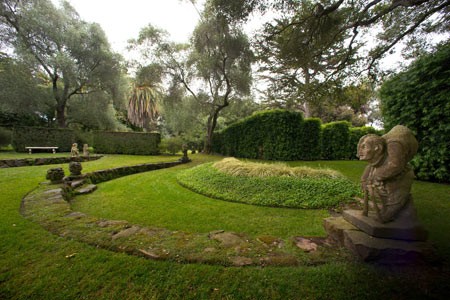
109	174
26	162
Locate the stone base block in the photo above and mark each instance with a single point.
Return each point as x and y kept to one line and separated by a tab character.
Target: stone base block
405	227
374	249
387	251
335	227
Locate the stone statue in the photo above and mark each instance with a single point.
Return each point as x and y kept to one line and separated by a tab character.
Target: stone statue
185	157
74	151
85	150
387	179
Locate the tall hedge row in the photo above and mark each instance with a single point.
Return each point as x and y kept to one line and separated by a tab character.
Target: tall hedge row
133	143
42	137
272	135
336	140
419	98
103	142
311	139
284	135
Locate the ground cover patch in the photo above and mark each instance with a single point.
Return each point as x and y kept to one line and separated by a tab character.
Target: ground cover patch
303	188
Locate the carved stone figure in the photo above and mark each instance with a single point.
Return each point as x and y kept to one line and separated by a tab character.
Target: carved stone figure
387	179
74	151
85	150
185	157
55	175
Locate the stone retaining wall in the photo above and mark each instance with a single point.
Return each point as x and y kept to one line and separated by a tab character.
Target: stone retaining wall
26	162
109	174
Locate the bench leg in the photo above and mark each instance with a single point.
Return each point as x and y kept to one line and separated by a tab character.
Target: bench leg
54	151
29	151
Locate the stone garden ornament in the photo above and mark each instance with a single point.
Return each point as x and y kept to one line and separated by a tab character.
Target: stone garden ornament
74	152
388	177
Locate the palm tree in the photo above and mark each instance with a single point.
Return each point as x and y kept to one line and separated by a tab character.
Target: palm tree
143	106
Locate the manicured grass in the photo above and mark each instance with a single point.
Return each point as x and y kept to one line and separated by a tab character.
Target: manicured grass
34	264
155	198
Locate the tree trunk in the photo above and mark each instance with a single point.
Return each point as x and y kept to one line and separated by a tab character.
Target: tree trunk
212	122
306	105
61	116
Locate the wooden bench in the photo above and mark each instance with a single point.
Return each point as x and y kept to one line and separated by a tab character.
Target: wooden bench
30	149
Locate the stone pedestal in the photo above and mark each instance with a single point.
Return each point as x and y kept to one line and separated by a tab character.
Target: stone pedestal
405	227
389	249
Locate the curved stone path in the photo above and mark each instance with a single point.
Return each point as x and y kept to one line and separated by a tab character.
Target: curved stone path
49	206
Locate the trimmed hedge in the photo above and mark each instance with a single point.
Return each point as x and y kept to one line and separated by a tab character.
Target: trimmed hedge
270	135
43	137
285	135
419	98
5	136
311	139
132	143
336	140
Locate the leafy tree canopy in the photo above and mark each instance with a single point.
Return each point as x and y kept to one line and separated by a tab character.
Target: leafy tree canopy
74	55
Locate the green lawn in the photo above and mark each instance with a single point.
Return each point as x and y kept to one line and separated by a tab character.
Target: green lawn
34	264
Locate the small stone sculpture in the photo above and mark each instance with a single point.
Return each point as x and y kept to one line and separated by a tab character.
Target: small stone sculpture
55	175
75	168
185	157
74	151
86	150
387	179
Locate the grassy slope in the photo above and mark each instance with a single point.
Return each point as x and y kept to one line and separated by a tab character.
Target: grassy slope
35	264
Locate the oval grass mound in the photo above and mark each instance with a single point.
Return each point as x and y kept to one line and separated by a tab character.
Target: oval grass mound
274	185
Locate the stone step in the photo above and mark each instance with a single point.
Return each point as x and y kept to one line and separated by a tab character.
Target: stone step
77	183
85	189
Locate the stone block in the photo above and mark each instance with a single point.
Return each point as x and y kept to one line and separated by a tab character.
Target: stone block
335	227
388	251
405	227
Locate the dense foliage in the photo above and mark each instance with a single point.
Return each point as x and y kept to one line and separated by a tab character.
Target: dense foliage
272	135
285	135
5	136
43	137
419	99
72	56
135	143
277	191
336	140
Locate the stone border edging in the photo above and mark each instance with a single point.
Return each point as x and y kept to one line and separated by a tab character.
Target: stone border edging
27	162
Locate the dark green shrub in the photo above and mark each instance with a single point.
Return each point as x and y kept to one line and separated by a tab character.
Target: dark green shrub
418	98
272	135
171	145
335	140
42	137
310	139
133	143
5	137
